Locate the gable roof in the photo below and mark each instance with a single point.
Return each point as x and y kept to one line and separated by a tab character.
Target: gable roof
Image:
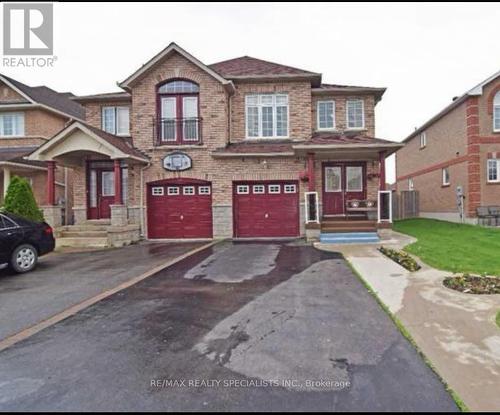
47	98
475	91
173	47
122	146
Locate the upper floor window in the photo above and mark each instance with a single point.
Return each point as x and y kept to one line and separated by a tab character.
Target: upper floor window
12	124
423	140
492	172
116	120
326	115
496	112
355	113
179	120
266	115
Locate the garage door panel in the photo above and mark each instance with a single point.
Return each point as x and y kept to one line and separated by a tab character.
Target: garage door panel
266	214
187	214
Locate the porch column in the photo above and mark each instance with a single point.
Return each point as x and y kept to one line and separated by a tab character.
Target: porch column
310	171
6	180
51	183
382	170
118	182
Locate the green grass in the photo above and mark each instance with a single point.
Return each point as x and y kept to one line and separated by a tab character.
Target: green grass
453	247
497	319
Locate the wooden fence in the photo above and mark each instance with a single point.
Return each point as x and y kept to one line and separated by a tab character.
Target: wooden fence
405	204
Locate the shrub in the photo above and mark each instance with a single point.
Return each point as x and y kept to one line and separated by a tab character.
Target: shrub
473	284
20	201
402	258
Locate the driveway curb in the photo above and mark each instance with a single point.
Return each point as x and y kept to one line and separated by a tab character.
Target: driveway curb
56	318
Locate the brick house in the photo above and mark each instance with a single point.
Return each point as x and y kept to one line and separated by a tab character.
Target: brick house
240	148
30	116
460	146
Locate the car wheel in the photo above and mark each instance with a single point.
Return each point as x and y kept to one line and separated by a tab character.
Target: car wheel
24	258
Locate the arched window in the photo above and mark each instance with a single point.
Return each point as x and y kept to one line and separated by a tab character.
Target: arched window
496	112
178	116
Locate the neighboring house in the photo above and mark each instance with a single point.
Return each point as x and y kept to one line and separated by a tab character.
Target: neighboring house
29	116
190	150
459	147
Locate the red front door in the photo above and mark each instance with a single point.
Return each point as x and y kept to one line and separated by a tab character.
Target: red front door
342	182
101	193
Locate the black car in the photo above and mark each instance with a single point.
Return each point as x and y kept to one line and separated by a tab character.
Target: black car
22	241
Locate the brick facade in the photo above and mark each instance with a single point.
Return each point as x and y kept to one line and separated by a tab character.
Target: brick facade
223	121
461	141
39	126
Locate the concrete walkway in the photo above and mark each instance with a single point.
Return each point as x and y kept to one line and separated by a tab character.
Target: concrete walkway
456	331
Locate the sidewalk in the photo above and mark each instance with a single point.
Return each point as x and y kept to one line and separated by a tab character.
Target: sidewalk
455	331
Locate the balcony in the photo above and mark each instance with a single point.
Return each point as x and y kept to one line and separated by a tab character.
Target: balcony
178	131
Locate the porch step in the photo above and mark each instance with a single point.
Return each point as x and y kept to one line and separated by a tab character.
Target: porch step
335	226
349	237
84	228
83	234
82	242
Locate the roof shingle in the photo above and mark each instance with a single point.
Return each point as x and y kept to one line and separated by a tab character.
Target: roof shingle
248	66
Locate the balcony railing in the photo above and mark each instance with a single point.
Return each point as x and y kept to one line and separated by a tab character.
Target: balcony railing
178	131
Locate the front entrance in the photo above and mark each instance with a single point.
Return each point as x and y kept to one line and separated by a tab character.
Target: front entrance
101	193
342	182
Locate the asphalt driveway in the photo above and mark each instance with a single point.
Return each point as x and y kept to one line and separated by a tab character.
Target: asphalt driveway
238	326
64	279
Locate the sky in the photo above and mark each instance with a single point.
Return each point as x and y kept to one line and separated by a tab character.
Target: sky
424	53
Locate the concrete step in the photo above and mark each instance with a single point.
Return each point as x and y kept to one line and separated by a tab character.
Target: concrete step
79	242
83	234
334	229
98	222
84	228
349	237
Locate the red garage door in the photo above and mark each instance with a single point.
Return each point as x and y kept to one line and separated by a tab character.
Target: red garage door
266	209
179	208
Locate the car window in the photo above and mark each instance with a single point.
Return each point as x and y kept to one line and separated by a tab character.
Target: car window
6	223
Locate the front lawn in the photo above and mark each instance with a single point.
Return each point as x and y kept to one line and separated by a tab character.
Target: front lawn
452	246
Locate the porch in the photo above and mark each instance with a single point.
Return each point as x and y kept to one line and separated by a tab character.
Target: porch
101	162
346	200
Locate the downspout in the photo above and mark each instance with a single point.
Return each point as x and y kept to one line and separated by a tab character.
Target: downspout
66	206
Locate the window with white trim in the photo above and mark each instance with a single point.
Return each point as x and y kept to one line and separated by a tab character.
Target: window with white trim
116	120
446	176
355	113
423	139
326	115
204	190
496	112
172	191
290	188
411	186
493	167
354	178
157	191
188	190
11	124
259	189
242	189
274	188
266	115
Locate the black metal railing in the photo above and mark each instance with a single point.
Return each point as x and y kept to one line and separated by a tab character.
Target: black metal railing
178	131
